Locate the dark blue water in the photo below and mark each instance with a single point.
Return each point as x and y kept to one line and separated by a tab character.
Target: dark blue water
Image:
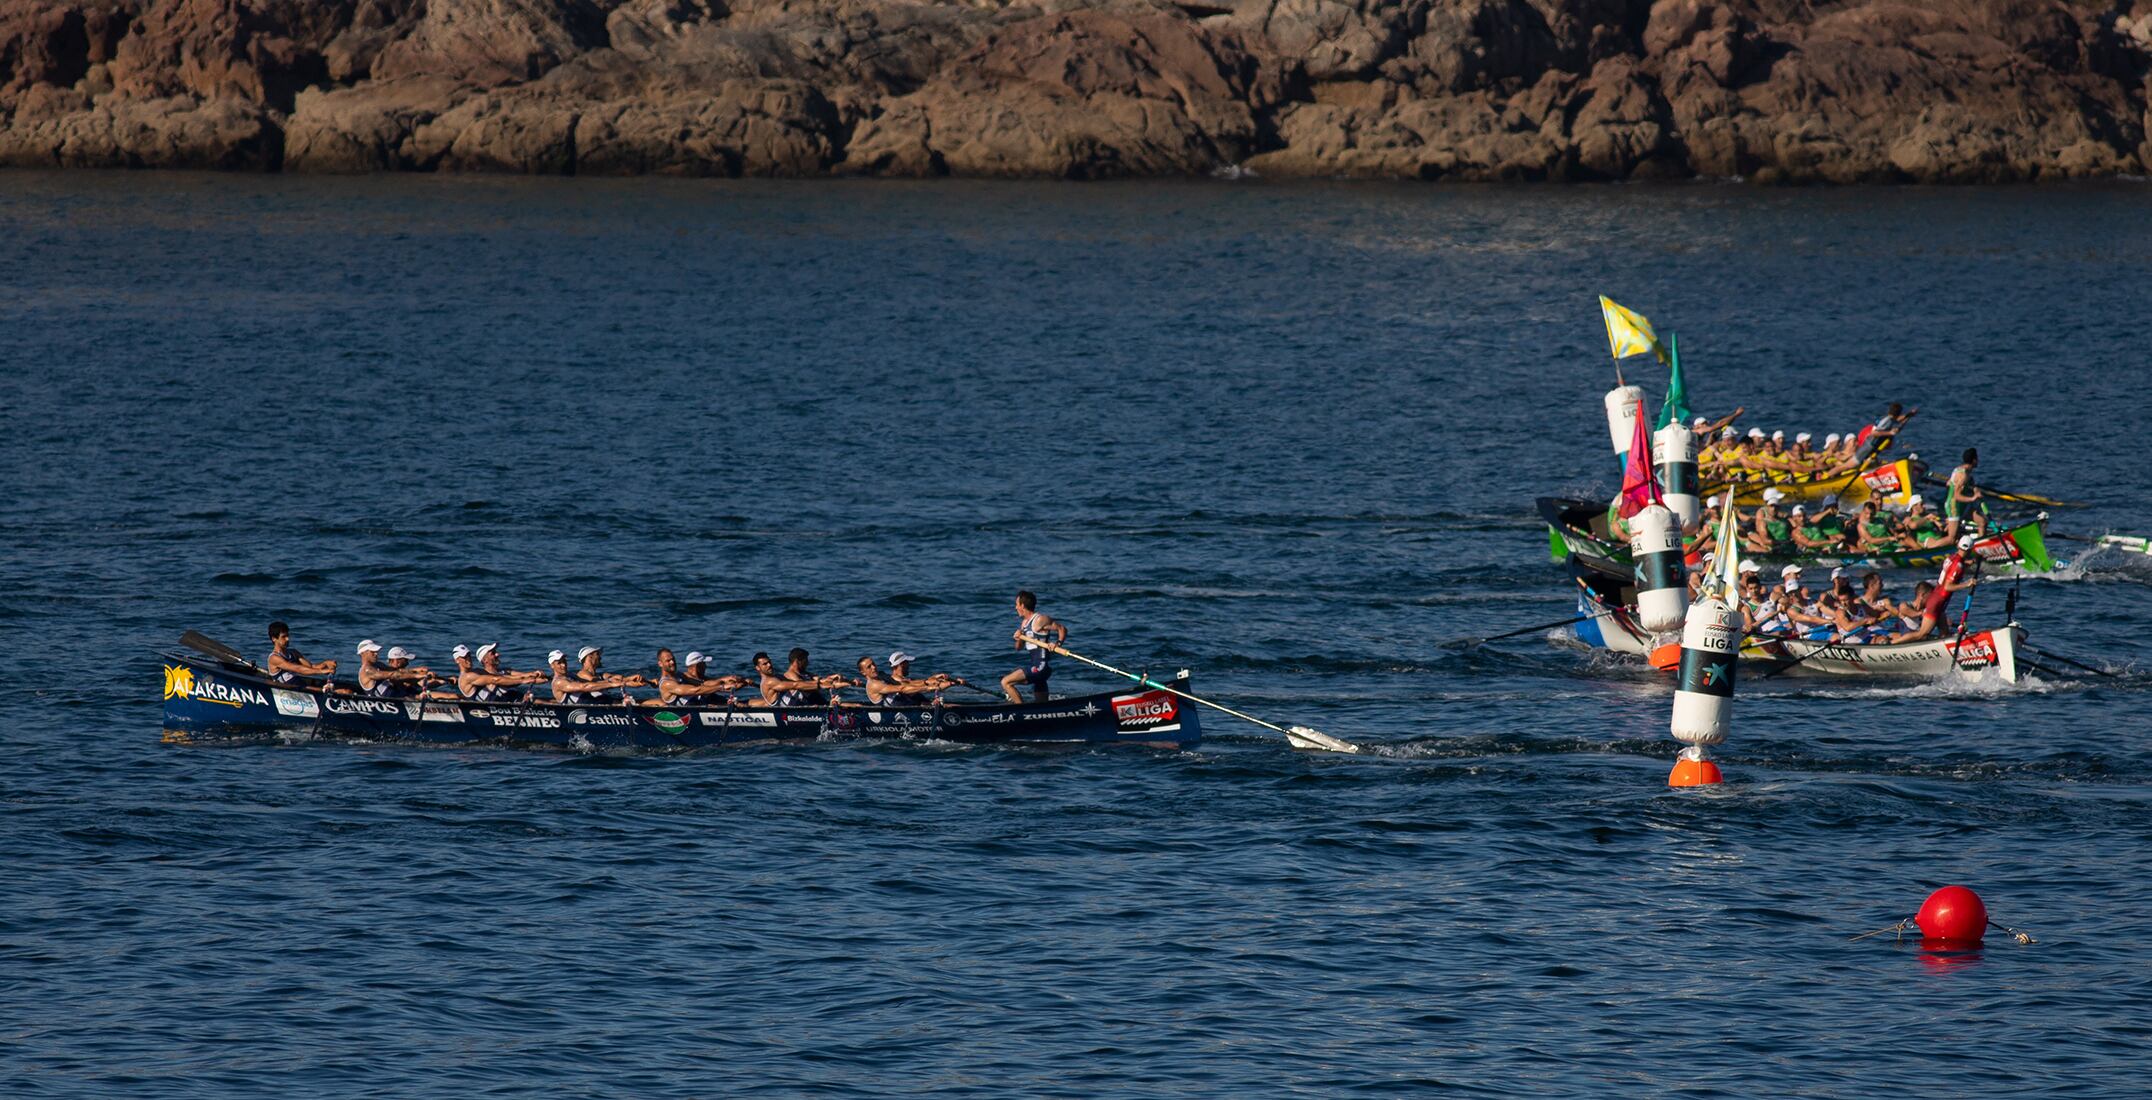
1286	437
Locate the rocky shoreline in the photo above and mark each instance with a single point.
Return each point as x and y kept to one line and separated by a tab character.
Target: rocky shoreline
1490	90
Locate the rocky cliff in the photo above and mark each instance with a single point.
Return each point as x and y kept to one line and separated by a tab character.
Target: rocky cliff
1790	90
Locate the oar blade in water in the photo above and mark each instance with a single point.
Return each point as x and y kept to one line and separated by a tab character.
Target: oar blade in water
1305	739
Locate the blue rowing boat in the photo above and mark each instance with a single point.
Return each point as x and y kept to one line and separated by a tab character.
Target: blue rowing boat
207	699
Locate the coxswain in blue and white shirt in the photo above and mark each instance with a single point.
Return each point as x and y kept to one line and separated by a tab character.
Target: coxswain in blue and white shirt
1036	634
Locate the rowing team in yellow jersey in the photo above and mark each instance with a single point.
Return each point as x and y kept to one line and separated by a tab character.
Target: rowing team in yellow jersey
480	675
1757	456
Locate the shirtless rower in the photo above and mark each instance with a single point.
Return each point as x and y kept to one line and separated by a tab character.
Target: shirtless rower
684	685
287	664
395	677
587	685
1035	633
795	686
479	676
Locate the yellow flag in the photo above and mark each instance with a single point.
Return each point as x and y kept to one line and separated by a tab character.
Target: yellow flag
1629	332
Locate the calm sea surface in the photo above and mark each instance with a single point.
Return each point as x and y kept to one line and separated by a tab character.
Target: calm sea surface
1286	437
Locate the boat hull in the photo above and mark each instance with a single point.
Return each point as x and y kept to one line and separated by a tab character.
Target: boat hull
2018	549
1613	628
1891	486
205	699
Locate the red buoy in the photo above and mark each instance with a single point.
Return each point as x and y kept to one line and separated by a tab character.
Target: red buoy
1953	916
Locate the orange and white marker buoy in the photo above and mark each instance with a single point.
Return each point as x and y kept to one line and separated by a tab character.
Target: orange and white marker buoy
1704	695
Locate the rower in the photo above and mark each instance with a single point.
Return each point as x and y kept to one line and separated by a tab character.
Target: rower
1876	436
1875	532
584	688
795	687
287	664
1922	529
1032	633
1768	529
686	686
488	684
395	678
1808	533
1961	494
910	692
1951	581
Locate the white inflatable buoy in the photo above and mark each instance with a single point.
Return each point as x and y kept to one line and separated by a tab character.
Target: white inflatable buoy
1704	695
1622	404
1675	448
1662	583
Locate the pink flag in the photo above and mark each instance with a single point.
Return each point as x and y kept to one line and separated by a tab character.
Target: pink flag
1639	481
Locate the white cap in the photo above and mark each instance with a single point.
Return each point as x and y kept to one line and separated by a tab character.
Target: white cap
1831	440
693	659
1750	567
1790	571
460	651
1698	422
398	653
584	653
1755	433
1965	542
1726	433
556	655
1773	496
899	658
1778	437
1799	511
1803	437
369	646
485	649
1837	571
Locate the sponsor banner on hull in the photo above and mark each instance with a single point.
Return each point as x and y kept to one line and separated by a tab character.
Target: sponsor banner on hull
1002	717
598	718
419	711
295	704
515	717
181	682
737	719
1152	708
356	705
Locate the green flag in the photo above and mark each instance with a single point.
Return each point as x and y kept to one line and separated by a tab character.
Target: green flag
1677	396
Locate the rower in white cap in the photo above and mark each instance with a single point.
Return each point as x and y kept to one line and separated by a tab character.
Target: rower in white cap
682	684
585	686
479	676
395	677
897	688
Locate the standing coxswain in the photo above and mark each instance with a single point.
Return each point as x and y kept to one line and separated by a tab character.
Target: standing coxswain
1036	634
1961	494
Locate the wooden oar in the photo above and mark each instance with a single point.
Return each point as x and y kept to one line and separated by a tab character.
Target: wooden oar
2071	663
1300	737
1469	643
2014	498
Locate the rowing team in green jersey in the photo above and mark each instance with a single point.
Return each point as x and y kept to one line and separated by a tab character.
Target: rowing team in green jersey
1825	531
